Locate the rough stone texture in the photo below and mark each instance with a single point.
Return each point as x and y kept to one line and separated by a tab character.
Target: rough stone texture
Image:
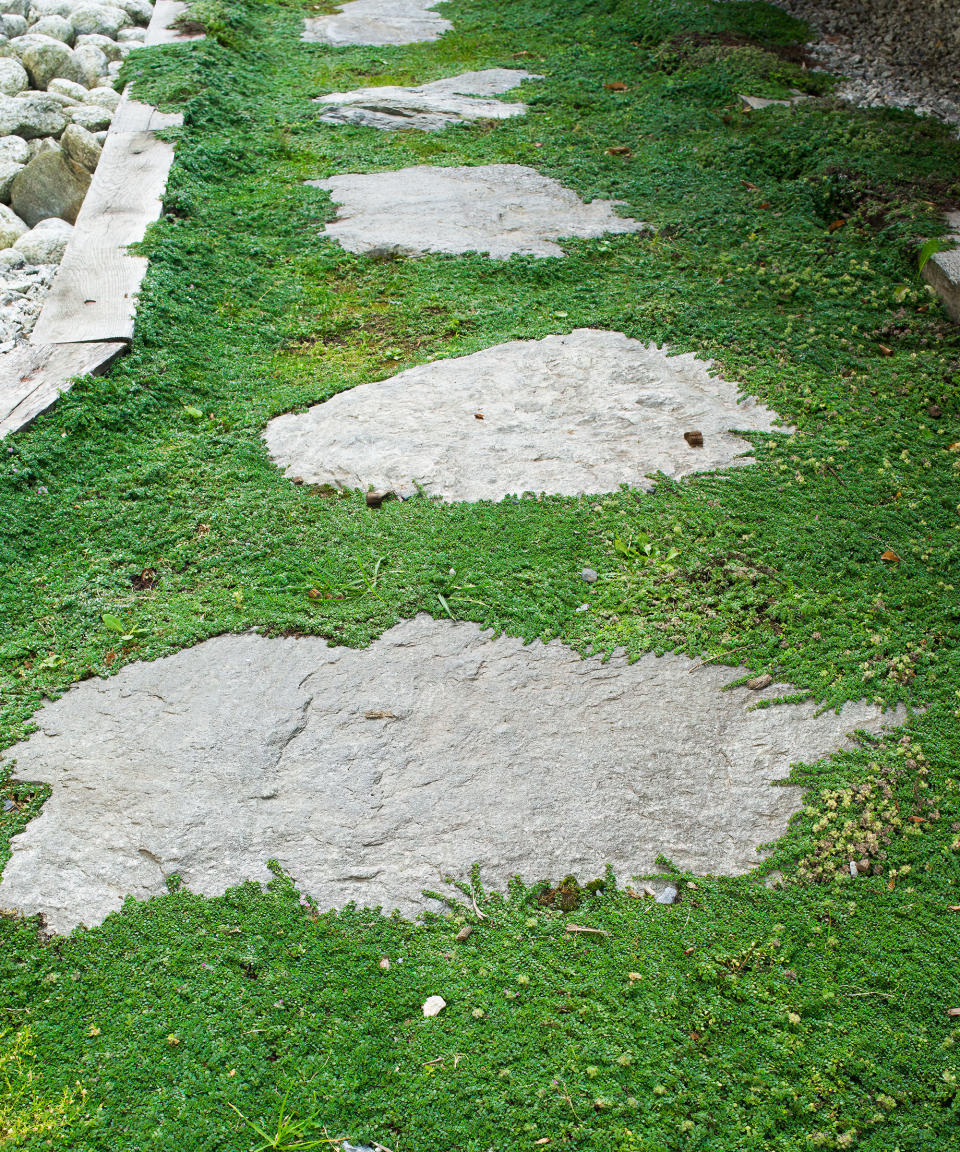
93	63
46	243
31	115
13	76
428	107
14	148
92	117
56	26
9	170
50	185
44	62
22	292
494	208
942	271
372	774
99	19
80	146
11	226
585	412
378	22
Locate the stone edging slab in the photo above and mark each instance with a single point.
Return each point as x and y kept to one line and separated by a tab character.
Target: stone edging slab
942	271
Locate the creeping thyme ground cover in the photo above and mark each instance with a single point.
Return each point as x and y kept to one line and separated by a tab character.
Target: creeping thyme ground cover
813	1015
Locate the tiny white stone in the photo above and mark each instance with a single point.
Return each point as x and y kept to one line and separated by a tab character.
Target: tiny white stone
433	1005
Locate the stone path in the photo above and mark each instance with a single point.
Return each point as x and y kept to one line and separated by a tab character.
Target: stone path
378	23
428	107
372	774
498	209
585	412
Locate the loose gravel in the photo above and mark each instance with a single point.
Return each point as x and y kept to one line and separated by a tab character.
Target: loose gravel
891	53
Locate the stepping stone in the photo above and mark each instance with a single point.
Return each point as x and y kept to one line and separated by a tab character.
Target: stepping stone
585	412
372	774
498	209
429	107
942	270
378	23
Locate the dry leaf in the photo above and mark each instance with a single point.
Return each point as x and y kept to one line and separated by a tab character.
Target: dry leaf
953	1011
954	447
918	820
758	683
953	907
687	951
592	931
619	150
385	964
478	415
752	187
891	884
694	439
885	350
465	933
890	557
837	224
542	1140
616	86
379	714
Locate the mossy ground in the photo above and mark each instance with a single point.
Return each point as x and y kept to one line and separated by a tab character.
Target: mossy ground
743	1017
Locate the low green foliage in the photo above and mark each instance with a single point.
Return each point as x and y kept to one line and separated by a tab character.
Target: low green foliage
141	515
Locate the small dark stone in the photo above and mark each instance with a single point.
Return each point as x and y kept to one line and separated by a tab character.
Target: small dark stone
935	411
375	499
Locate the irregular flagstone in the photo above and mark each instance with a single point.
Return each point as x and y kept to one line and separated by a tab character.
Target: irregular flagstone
585	412
428	107
378	23
498	209
371	774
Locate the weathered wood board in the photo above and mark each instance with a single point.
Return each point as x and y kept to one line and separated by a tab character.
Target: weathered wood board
94	293
161	30
32	377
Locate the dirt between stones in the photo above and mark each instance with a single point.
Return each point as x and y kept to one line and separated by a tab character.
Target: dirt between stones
373	774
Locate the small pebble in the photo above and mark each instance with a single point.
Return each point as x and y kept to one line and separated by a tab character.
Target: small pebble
589	575
433	1005
667	896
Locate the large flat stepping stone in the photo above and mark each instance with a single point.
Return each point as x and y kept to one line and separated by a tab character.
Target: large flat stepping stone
498	209
371	774
429	107
585	412
378	23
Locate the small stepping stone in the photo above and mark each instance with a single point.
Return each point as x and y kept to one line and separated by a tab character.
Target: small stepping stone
498	209
585	412
430	107
756	103
379	23
370	773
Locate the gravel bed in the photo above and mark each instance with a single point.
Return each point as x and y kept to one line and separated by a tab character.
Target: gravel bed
893	53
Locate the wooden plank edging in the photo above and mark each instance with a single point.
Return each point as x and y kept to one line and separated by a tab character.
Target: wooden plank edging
34	376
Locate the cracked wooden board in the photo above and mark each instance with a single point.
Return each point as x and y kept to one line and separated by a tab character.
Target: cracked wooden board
94	293
33	377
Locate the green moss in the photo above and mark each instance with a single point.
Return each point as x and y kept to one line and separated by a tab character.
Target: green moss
784	248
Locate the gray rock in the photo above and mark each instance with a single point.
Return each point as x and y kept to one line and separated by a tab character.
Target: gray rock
11	227
46	243
56	27
31	115
379	23
585	412
46	61
13	76
107	98
110	48
98	19
37	9
139	11
9	170
14	148
131	36
93	117
93	65
590	575
524	758
429	107
667	895
15	7
50	185
80	146
69	88
63	100
942	271
498	209
11	258
13	25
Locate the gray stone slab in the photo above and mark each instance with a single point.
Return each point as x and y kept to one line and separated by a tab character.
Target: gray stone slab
585	412
378	23
498	209
371	774
428	107
942	271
